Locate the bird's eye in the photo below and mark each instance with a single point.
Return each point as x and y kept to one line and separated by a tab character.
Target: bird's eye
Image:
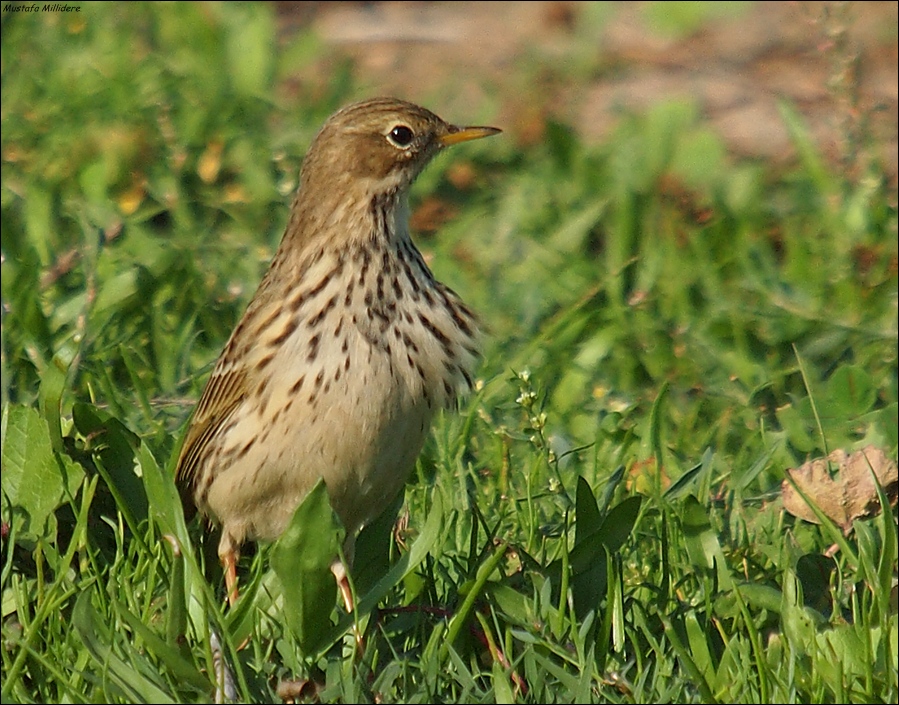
401	136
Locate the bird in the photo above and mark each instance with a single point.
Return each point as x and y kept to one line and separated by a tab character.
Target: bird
346	351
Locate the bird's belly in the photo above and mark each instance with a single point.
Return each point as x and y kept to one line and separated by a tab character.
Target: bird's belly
351	414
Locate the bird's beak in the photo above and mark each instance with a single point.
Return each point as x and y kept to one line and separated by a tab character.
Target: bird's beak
464	134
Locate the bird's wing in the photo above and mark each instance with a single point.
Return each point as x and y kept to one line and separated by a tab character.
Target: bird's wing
225	391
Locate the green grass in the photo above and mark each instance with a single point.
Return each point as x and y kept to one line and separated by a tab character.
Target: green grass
669	331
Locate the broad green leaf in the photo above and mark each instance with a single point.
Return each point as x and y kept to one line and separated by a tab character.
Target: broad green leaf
797	427
699	646
843	645
34	478
814	571
798	622
851	392
502	689
696	526
608	491
53	382
588	558
761	597
165	509
162	496
114	448
511	603
588	519
702	541
619	523
302	560
372	559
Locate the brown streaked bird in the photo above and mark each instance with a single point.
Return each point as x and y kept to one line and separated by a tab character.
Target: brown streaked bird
346	351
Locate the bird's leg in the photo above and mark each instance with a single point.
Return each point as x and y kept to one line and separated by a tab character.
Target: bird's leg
229	563
229	556
343	583
339	568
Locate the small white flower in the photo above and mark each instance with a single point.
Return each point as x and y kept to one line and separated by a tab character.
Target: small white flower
526	398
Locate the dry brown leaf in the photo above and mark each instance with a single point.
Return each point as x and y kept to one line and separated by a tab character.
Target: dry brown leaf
849	493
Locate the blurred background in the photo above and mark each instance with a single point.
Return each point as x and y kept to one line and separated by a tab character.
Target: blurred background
586	63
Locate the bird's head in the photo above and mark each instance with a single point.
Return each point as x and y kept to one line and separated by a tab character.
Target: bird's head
380	145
